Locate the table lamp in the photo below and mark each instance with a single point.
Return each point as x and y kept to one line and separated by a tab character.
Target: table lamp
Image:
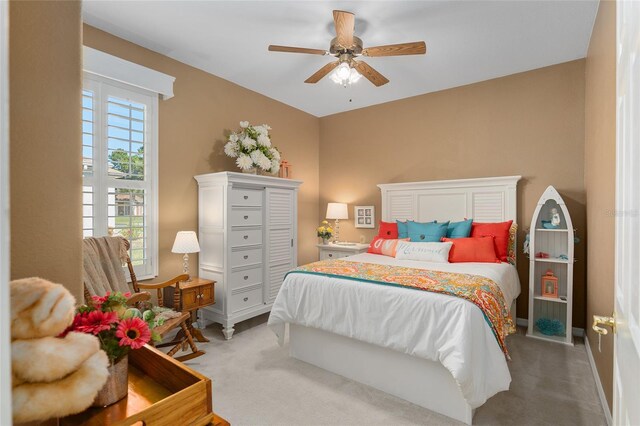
186	242
337	211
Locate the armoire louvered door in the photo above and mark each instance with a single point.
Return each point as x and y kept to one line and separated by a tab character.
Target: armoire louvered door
280	239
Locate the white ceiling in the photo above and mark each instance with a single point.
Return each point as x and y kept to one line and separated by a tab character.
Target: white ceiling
467	42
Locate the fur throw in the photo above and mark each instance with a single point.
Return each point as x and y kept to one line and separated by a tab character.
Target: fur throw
73	394
63	357
39	308
51	376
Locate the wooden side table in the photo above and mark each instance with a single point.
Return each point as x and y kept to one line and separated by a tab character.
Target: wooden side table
189	296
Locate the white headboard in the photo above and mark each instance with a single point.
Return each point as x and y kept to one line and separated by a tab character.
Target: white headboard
483	199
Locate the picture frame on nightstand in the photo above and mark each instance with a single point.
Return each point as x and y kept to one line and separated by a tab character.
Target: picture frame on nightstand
364	216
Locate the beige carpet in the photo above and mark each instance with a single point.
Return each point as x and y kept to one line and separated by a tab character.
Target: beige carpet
256	383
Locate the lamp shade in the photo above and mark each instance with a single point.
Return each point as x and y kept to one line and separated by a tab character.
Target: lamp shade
337	211
186	242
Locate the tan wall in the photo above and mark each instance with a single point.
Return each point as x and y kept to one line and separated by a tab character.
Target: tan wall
529	124
600	163
45	147
192	129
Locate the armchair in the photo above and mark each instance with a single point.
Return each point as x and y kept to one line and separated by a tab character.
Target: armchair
102	260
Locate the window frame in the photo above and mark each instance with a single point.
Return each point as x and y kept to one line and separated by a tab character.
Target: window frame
102	88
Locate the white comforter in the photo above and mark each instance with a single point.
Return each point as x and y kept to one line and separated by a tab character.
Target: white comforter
428	325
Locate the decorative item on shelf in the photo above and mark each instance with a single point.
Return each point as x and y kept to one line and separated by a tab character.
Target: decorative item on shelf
325	232
53	373
364	216
555	218
252	149
337	211
525	245
550	327
120	330
542	255
549	284
286	170
186	242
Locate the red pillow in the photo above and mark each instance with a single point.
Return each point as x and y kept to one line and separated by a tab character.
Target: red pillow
478	249
388	230
384	246
498	230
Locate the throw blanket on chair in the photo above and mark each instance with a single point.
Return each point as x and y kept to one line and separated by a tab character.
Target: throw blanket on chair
481	291
103	259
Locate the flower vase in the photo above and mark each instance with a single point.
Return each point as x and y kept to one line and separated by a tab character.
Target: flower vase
251	171
117	385
325	241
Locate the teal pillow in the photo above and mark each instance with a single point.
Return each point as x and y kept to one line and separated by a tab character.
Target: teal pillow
459	229
402	229
430	232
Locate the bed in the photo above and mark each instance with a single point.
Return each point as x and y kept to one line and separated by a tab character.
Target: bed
431	349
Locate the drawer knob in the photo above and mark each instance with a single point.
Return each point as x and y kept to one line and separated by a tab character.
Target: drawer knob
245	299
246	217
330	254
246	256
246	237
246	197
246	277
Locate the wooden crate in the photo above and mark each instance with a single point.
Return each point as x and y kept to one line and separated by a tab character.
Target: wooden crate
162	391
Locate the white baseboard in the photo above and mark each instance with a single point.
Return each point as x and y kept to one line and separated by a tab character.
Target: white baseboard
596	376
575	331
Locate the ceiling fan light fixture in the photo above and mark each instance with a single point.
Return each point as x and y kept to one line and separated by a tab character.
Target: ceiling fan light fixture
344	75
346	47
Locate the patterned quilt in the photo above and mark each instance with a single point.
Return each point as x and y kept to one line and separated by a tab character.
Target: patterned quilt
481	291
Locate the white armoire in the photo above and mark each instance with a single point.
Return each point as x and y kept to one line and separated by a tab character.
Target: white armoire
248	228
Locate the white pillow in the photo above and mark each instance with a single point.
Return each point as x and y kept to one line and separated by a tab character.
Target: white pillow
426	252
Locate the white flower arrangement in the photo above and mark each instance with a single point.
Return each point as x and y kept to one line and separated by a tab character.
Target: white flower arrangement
251	147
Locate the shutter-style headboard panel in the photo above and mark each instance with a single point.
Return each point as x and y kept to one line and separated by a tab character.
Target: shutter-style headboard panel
483	199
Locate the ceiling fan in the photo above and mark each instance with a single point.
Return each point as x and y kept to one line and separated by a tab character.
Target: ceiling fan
346	47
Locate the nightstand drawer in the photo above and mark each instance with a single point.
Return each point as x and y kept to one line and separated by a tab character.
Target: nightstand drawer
247	237
245	257
333	254
246	217
246	278
246	299
246	197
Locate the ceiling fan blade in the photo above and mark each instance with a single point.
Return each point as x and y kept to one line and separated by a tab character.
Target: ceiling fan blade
370	74
345	24
416	48
289	49
322	72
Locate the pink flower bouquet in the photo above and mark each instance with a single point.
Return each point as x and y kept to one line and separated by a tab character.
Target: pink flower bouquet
119	328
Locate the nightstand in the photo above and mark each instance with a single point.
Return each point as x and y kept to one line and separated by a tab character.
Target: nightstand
336	251
189	297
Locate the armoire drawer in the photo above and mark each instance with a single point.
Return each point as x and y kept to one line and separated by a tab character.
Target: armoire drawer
245	257
247	237
245	217
246	197
246	299
246	278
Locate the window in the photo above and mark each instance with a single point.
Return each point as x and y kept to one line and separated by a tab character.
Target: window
120	167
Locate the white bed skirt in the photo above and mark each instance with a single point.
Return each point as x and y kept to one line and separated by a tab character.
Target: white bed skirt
420	381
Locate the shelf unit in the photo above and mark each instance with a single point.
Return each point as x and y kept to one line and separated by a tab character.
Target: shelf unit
555	242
